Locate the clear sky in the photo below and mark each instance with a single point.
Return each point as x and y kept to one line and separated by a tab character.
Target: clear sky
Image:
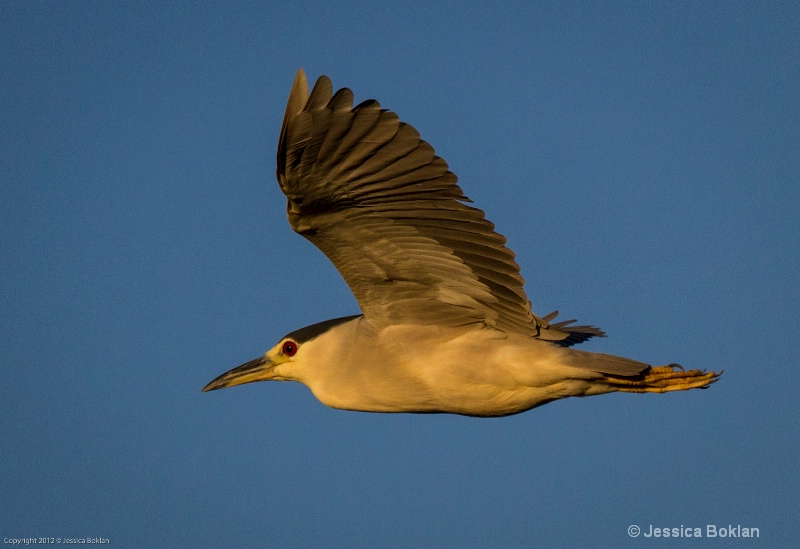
643	158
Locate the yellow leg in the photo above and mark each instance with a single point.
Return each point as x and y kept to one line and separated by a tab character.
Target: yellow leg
663	379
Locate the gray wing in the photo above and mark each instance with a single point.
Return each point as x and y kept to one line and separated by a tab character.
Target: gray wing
367	191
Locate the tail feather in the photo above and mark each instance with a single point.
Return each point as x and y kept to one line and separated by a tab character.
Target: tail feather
631	376
577	334
605	364
620	373
561	333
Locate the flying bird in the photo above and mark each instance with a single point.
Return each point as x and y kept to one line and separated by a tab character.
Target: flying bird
445	325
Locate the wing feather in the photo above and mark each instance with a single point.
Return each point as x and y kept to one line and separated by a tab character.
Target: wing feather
389	214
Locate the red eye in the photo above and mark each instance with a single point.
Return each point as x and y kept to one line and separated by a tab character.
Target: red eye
289	348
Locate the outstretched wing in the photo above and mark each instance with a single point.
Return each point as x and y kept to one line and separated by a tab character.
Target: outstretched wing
367	191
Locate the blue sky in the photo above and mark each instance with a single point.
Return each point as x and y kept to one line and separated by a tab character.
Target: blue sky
642	158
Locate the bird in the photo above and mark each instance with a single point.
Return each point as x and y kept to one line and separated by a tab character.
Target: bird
445	324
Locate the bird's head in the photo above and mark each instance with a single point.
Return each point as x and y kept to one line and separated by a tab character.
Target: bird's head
281	361
263	368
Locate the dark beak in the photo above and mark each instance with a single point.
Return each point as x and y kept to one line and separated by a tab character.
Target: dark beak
259	369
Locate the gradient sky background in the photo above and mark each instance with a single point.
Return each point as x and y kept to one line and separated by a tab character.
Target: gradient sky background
642	158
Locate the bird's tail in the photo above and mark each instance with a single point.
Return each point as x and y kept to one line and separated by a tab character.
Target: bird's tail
662	379
563	333
631	376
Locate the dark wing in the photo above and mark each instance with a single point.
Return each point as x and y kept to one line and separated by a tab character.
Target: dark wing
367	191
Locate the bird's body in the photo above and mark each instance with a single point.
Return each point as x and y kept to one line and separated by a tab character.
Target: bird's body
507	373
446	324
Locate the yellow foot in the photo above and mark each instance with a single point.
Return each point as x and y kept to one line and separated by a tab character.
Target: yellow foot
663	379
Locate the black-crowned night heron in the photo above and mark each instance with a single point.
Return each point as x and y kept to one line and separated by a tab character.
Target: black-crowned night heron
446	326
